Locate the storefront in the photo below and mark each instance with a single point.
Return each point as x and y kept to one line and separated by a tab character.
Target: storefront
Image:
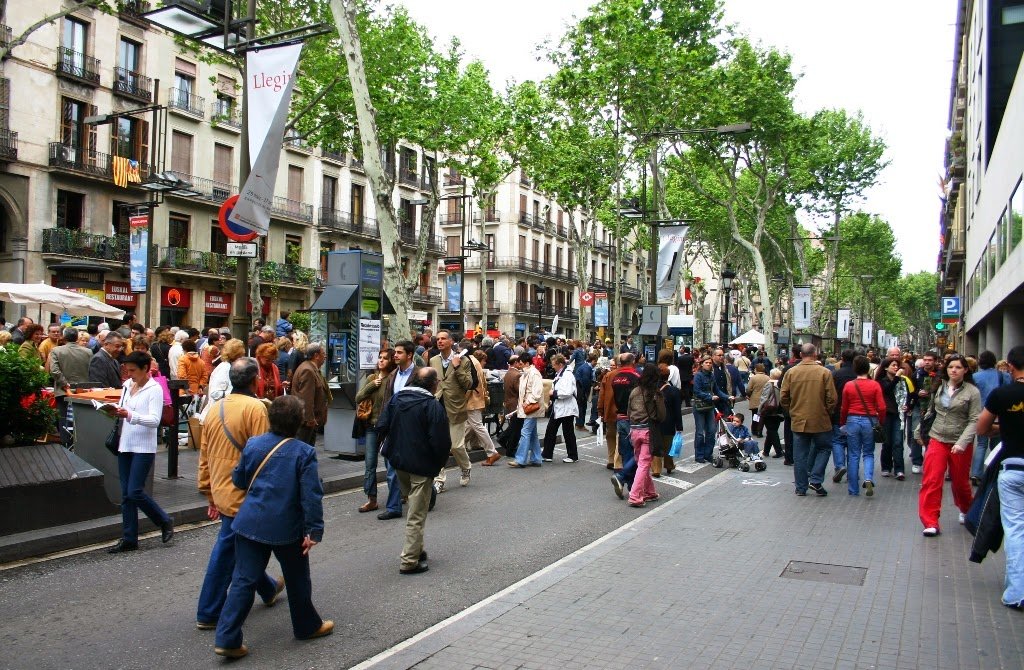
217	309
174	305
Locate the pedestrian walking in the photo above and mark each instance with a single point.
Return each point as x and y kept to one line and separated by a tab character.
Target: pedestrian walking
477	400
646	412
530	408
889	377
671	426
309	386
1004	404
771	413
417	441
584	375
282	514
956	406
809	395
840	443
623	382
455	380
564	410
509	437
609	412
139	411
372	392
925	380
861	409
987	379
753	389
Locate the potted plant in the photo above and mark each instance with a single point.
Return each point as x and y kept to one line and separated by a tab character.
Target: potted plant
27	409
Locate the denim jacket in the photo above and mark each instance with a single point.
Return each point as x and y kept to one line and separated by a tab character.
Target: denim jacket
285	502
704	387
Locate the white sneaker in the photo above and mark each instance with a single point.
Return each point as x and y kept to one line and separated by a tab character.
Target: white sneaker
464	479
963	517
568	460
916	469
930	532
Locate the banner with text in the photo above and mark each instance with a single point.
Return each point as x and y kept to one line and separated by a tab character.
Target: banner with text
865	333
670	259
138	252
269	84
843	324
600	310
801	307
453	283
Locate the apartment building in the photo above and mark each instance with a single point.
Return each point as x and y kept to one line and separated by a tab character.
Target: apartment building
64	221
981	258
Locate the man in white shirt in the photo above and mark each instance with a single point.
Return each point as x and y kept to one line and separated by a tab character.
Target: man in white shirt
175	352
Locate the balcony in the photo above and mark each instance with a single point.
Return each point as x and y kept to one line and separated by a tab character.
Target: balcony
533	308
222	116
427	182
475	306
517	263
189	261
133	10
449	219
292	209
287	273
356	163
92	163
182	100
208	189
427	294
337	221
8	145
132	85
333	155
295	143
487	216
71	242
409	237
454	179
604	248
407	178
77	66
562	230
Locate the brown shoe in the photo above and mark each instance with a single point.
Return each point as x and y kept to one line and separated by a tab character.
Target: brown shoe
228	652
369	506
277	593
326	628
492	459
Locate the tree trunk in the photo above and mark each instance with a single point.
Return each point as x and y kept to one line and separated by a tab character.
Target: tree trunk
381	184
584	243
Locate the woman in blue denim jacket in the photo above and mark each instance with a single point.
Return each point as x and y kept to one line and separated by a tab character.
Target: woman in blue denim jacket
704	393
282	514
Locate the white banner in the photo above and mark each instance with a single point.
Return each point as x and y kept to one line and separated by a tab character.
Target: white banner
801	307
266	76
881	338
670	259
268	72
865	333
843	324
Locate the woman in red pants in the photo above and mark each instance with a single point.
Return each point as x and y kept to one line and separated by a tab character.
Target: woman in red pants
956	405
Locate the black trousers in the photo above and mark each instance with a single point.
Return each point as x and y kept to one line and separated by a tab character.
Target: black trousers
687	392
788	432
568	432
771	435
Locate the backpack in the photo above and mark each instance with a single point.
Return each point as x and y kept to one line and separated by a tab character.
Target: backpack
768	403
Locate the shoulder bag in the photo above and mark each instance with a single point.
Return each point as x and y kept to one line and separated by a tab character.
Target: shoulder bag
877	431
113	441
227	432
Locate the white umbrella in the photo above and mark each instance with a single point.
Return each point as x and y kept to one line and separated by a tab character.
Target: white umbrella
750	337
57	300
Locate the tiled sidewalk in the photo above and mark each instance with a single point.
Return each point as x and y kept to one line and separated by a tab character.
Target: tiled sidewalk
697	584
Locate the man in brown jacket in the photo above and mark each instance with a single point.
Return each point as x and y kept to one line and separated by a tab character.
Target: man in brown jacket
456	378
809	395
228	426
309	385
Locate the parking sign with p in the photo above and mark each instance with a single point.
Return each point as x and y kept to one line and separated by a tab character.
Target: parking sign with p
950	306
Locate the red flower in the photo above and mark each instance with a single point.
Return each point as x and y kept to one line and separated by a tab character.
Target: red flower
28	400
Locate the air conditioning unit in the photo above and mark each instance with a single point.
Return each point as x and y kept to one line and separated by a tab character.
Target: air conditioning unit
66	153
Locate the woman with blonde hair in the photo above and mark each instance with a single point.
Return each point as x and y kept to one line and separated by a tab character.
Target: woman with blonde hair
298	352
5	337
220	383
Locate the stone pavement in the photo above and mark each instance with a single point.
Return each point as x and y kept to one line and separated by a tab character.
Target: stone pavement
701	581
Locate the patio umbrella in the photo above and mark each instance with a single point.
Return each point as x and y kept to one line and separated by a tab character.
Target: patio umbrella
57	300
750	337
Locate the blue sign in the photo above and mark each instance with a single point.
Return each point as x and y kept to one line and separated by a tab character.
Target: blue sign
453	283
600	310
138	252
950	306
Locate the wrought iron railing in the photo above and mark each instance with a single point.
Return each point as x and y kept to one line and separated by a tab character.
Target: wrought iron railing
456	219
178	258
297	143
487	216
428	294
292	209
8	145
74	64
209	189
225	116
493	307
95	163
333	155
132	84
533	308
335	220
182	99
356	163
287	273
71	242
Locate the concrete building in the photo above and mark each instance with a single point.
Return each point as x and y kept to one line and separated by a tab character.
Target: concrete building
982	258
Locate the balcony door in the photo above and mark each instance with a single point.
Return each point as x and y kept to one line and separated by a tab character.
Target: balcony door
74	41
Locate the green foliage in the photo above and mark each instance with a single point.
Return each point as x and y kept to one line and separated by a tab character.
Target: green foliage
300	321
26	411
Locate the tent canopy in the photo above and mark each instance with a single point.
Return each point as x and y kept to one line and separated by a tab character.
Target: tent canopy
57	300
750	337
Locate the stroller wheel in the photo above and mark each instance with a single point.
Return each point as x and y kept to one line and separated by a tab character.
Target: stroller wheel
717	462
760	466
745	467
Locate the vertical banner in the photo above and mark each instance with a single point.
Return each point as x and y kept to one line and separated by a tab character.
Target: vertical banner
843	324
866	328
881	338
269	81
600	310
138	251
453	283
801	307
554	324
670	259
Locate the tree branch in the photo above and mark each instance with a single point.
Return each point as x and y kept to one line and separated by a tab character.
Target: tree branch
312	103
23	37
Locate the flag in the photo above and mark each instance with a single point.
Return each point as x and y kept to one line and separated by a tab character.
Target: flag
120	169
801	307
133	172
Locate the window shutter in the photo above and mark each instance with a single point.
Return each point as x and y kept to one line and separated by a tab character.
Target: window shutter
222	163
184	67
90	143
142	145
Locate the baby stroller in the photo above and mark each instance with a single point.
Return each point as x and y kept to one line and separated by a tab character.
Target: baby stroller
728	450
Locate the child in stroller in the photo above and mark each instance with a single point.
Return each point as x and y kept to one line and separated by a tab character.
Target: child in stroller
736	446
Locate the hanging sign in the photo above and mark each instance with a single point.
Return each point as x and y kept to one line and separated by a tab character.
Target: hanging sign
843	324
866	329
801	307
138	252
670	259
600	310
453	283
587	299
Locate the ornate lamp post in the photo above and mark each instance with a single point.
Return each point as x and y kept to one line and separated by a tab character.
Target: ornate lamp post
541	292
728	276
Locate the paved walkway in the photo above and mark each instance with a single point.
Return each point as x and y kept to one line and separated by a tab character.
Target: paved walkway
702	582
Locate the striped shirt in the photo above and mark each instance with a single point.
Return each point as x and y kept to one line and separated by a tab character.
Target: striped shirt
139	430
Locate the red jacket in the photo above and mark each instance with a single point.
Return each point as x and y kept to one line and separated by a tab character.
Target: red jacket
852	404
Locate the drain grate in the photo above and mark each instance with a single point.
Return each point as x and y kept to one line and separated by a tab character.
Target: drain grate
825	572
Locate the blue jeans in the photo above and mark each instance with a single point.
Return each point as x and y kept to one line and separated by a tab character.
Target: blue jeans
704	435
810	458
251	560
581	405
982	443
218	575
594	414
529	444
916	450
370	470
133	469
628	471
860	443
1011	511
839	446
394	503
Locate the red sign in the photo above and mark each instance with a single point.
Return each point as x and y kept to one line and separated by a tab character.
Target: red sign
266	305
139	221
119	294
231	230
217	303
586	299
175	298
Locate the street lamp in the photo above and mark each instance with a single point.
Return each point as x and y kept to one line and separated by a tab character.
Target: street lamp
541	292
474	245
728	275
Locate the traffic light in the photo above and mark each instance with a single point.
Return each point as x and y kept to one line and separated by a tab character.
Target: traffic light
940	326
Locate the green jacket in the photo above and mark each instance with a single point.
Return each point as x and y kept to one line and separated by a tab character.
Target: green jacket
455	382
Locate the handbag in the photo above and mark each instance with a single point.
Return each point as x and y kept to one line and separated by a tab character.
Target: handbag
531	407
877	431
676	450
364	409
113	441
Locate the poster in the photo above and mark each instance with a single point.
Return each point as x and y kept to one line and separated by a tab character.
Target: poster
670	258
369	343
453	283
865	338
843	324
801	307
600	310
138	251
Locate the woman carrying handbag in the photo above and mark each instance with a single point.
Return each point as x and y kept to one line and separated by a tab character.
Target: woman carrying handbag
861	411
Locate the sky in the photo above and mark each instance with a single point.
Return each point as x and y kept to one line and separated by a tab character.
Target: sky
891	59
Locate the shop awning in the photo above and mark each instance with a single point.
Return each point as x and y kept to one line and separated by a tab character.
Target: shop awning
680	324
650	328
334	297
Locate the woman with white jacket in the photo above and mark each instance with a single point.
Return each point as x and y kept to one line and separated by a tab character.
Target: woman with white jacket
563	413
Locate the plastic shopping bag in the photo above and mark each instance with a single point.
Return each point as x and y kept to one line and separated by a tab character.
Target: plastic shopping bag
676	450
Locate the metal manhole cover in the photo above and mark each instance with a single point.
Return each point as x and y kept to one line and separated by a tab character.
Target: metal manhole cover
825	572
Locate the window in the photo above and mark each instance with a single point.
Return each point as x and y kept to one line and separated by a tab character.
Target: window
126	76
536	211
522	209
295	174
1016	216
223	169
224	105
329	192
558	257
1003	235
520	292
119	218
489	292
429	170
218	241
570	265
184	85
73	132
177	231
5	104
522	246
409	172
293	249
547	254
356	203
453	250
536	251
1013	15
129	137
74	43
70	209
181	152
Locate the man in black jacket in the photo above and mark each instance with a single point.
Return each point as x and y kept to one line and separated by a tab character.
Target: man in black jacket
416	442
105	366
685	364
840	376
